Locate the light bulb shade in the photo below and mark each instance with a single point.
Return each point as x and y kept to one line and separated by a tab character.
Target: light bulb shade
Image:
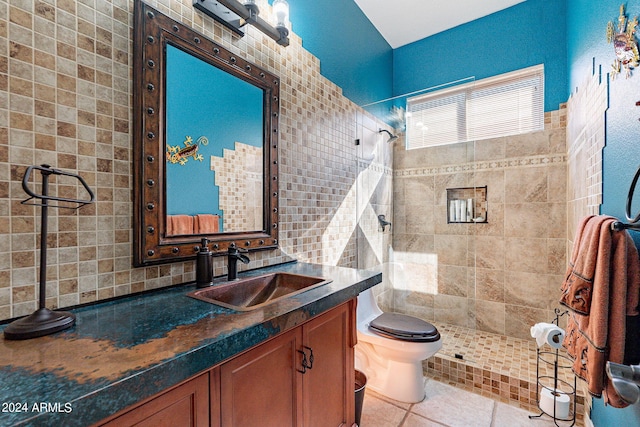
281	11
253	9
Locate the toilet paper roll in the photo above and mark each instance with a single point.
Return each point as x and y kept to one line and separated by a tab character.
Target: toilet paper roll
561	400
548	333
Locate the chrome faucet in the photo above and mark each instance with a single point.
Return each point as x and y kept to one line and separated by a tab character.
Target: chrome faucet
233	256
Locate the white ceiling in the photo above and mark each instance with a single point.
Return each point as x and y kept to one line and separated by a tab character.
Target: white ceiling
404	21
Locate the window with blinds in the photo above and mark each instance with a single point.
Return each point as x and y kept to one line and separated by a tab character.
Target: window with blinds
508	104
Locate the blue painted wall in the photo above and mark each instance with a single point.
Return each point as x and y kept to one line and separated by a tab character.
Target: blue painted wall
238	117
356	57
352	52
586	25
529	33
586	45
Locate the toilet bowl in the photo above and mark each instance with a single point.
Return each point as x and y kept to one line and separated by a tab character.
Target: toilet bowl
391	348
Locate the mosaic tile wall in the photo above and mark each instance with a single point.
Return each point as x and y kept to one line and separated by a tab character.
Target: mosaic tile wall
585	141
481	276
239	177
65	100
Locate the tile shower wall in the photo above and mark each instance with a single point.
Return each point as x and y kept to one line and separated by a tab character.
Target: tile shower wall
65	100
502	276
585	141
374	189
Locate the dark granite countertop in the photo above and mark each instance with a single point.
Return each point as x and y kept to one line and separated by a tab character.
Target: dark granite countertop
126	350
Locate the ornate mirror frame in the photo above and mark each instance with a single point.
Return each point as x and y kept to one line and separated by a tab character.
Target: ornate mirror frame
152	245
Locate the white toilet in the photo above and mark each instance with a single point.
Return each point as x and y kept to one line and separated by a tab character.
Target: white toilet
391	348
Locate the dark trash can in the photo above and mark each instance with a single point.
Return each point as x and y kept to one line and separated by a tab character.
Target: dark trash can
361	382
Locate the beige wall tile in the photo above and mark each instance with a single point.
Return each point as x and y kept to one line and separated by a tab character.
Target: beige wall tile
530	290
490	149
520	318
451	249
526	255
526	185
557	183
490	252
452	309
66	76
489	285
535	219
520	251
452	280
530	144
490	317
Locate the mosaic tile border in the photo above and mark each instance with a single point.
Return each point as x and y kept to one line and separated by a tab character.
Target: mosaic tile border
375	167
484	165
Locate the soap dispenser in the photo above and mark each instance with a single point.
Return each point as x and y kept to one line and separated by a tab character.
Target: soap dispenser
204	266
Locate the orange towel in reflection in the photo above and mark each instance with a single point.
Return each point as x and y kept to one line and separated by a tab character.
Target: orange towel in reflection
206	224
179	224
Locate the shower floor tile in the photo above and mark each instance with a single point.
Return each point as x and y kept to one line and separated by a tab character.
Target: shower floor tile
503	355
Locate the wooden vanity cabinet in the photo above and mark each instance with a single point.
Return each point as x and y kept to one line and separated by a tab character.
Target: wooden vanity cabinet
328	388
301	377
261	387
186	405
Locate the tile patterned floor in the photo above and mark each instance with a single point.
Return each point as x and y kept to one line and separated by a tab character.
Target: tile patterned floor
504	355
446	406
499	367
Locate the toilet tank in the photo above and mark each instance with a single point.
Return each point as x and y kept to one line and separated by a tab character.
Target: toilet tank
367	308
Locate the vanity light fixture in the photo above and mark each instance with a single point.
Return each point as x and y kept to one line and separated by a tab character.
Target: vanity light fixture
235	14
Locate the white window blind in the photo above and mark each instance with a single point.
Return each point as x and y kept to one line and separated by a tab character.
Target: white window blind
508	104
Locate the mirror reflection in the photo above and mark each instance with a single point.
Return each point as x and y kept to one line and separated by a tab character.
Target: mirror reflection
205	125
214	149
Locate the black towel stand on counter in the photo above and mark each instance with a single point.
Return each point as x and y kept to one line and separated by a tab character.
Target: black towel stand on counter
634	222
44	321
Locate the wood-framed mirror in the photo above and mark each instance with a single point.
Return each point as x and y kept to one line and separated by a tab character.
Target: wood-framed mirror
205	140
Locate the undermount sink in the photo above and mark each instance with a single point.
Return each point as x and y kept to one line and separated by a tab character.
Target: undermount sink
255	292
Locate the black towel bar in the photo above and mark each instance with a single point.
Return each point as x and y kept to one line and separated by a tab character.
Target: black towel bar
619	226
632	188
47	170
634	223
44	321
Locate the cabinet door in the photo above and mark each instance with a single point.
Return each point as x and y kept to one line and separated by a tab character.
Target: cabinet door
328	387
214	396
261	387
184	406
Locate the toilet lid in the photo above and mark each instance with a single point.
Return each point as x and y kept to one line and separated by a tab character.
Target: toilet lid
406	328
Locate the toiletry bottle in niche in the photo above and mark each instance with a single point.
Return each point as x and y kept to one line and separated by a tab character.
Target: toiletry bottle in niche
204	266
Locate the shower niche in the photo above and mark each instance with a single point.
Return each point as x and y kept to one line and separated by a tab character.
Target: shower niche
467	205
